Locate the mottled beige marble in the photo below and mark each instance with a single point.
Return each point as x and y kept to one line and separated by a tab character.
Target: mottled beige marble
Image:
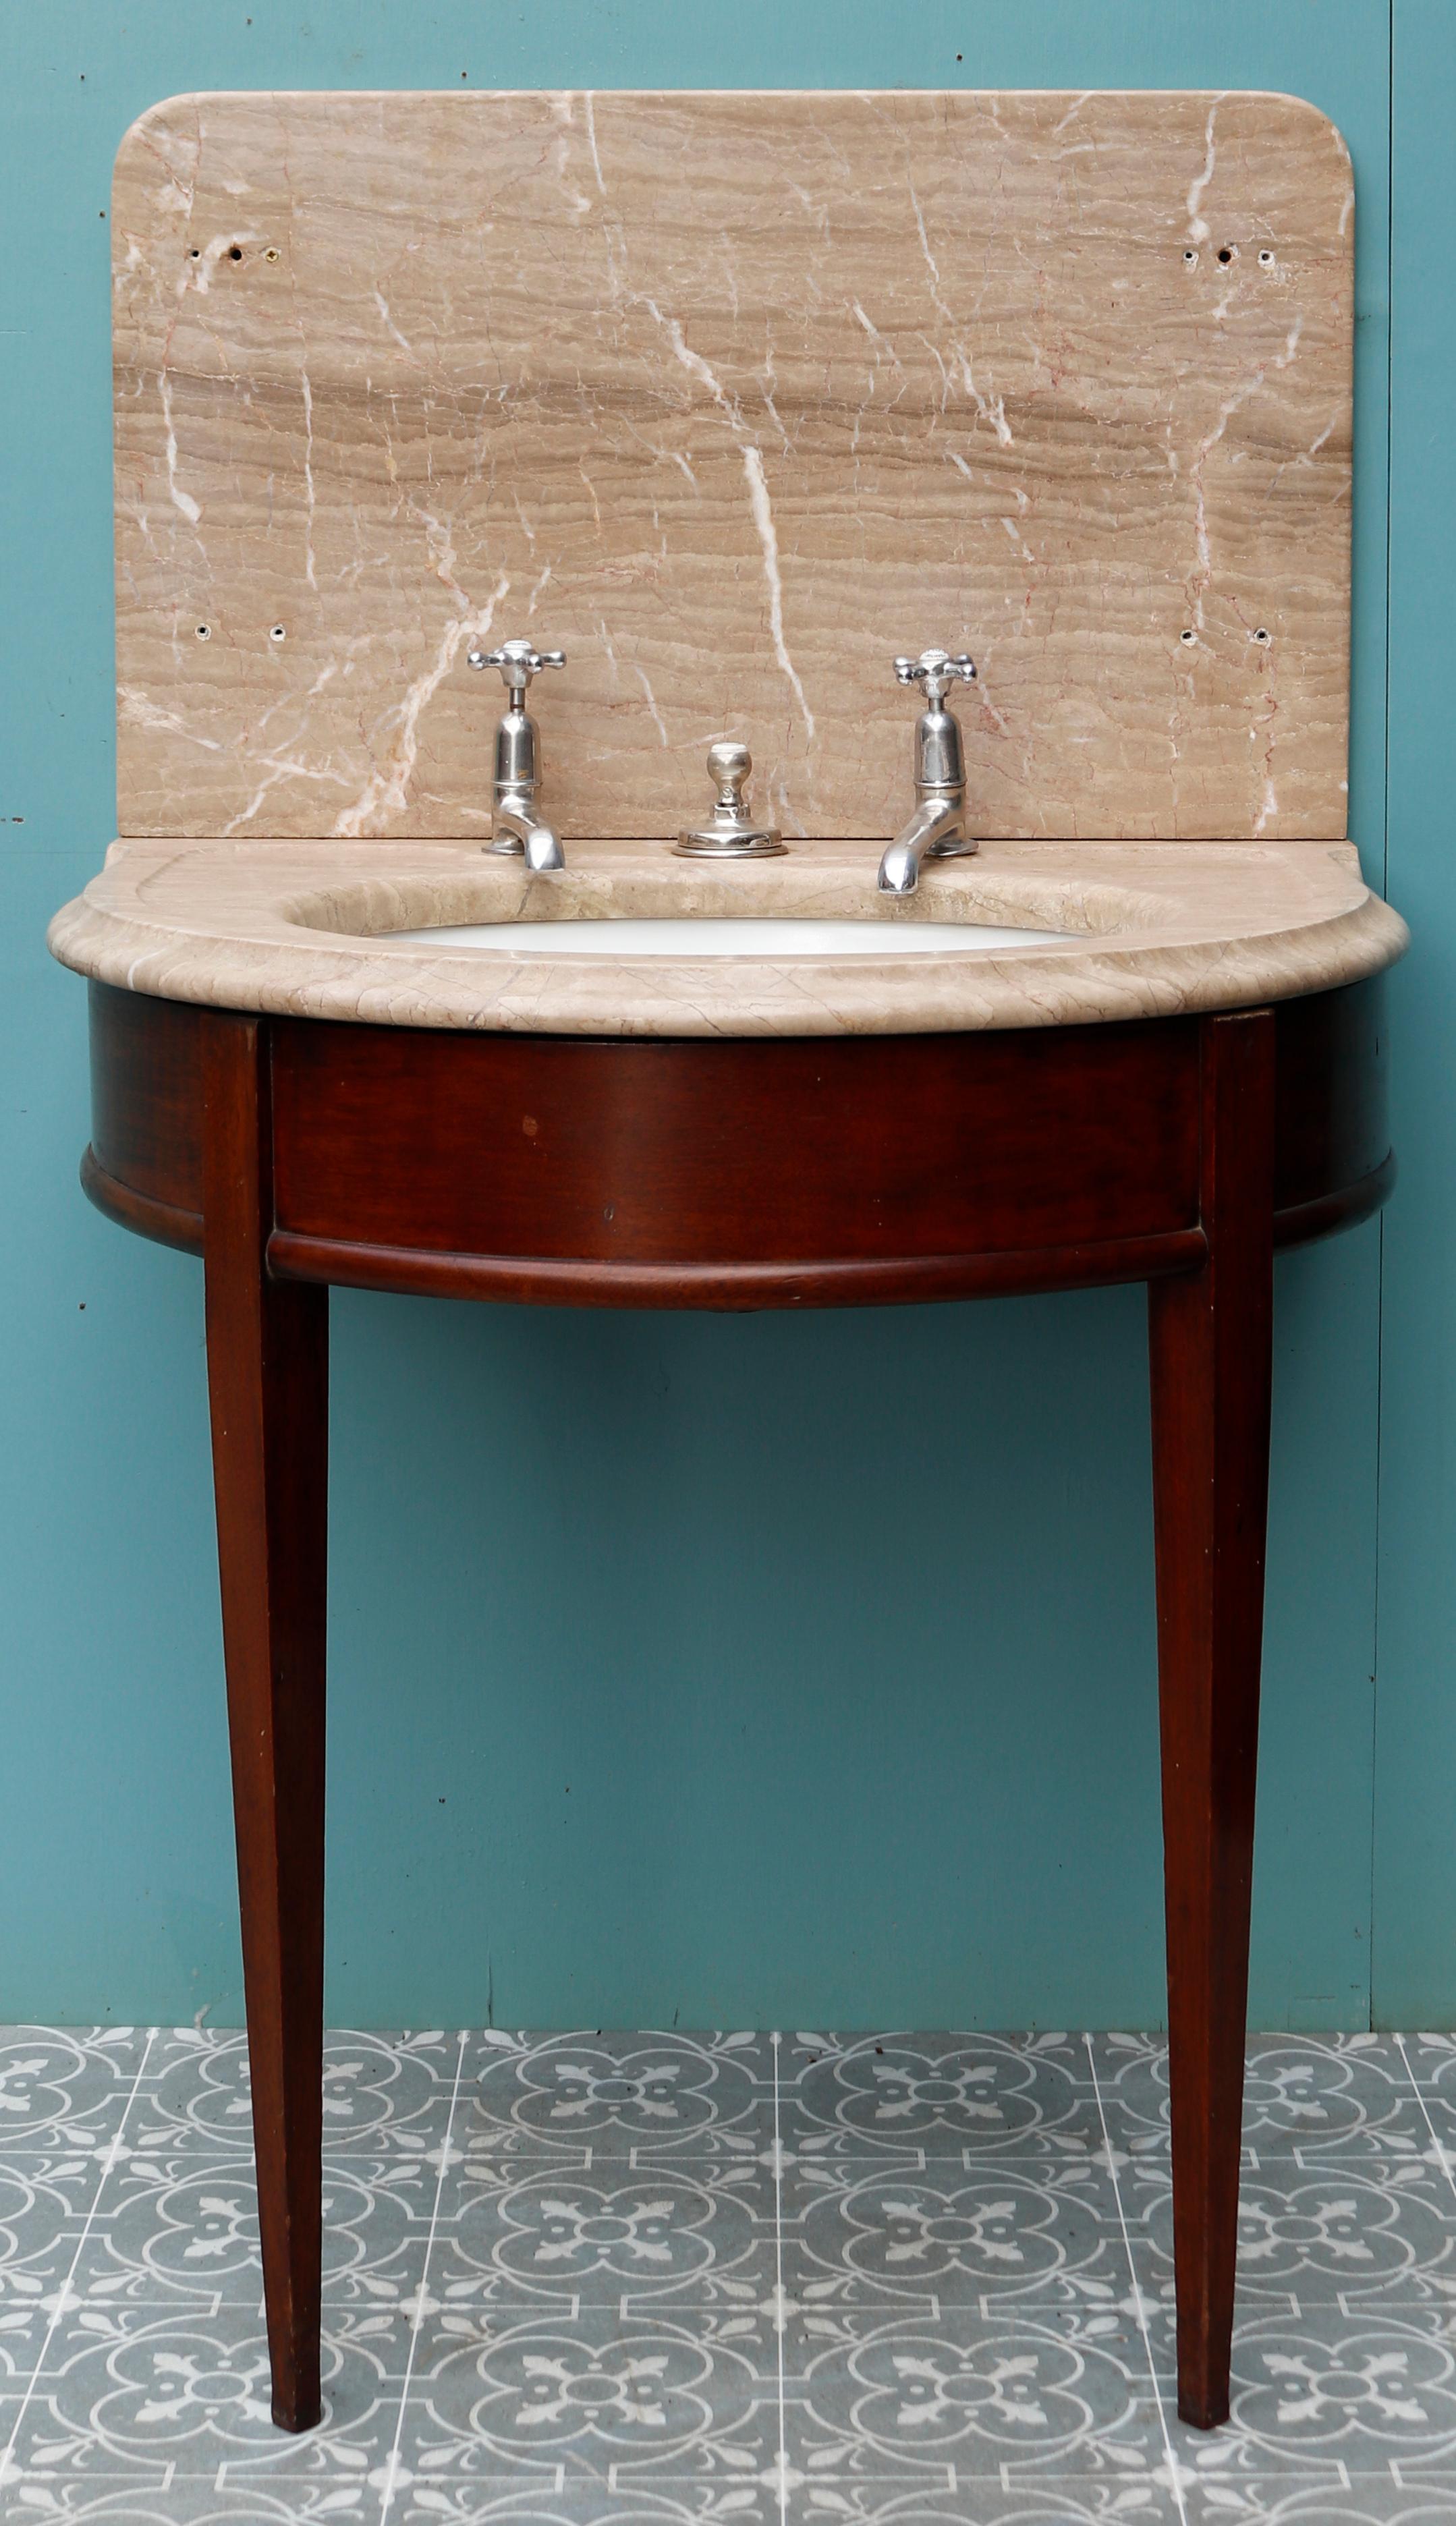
1164	927
733	395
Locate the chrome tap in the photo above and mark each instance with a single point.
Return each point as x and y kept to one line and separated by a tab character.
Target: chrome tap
937	829
515	823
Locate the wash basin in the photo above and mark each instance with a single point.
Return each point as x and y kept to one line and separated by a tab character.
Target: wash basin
627	940
662	936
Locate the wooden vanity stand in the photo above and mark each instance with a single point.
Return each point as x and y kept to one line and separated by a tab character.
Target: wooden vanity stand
1064	381
292	1153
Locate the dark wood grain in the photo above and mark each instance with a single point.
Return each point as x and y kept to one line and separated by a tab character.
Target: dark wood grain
838	1197
146	1108
144	1213
740	1150
1210	1345
268	1375
1325	1214
732	1288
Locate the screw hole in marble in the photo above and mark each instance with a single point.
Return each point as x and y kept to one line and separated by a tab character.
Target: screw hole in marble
204	631
1260	637
1265	258
1226	253
278	632
1188	638
195	253
1190	256
234	254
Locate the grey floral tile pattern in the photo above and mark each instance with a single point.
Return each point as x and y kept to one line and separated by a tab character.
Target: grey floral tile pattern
725	2280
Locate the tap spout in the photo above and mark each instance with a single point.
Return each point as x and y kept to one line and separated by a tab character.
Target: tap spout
517	827
935	830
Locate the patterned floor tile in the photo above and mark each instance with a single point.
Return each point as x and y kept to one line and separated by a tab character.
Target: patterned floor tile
1038	2226
1431	2060
1329	2391
626	2232
945	2395
184	2232
1374	2234
982	2500
1302	2089
613	2095
23	2327
130	2396
46	2199
379	2092
564	2276
986	2502
595	2397
1366	2392
1371	2241
1364	2504
282	2500
425	2502
1436	2127
936	2094
62	2089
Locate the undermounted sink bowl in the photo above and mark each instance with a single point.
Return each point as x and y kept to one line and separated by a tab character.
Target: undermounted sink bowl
665	937
626	905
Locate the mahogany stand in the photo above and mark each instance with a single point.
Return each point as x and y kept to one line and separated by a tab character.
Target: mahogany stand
741	1173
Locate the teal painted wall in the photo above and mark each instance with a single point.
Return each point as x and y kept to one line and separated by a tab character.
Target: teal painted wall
633	1717
1414	1944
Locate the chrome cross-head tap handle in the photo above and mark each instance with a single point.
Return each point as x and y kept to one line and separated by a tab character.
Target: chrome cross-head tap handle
937	671
517	660
515	825
937	829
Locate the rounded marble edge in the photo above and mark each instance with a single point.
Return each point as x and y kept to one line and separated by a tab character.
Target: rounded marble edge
1101	984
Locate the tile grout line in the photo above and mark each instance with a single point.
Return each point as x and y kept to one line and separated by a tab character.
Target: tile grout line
391	2470
1173	2469
781	2312
7	2460
1442	2153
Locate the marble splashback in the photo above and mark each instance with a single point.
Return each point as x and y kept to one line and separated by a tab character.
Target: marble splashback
733	395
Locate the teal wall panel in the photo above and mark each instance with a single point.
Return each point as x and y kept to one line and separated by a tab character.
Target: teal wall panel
1415	1950
694	1668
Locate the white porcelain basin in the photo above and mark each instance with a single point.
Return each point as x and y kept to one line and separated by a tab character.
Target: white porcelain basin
714	938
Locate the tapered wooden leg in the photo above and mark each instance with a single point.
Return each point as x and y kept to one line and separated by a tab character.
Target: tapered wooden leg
1210	1347
268	1375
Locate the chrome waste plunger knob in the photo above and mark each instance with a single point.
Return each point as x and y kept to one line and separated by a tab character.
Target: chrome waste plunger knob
731	832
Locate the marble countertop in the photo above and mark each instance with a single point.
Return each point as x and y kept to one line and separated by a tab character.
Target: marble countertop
302	930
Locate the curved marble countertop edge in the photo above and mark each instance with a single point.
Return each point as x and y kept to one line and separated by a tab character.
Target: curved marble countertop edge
1097	984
